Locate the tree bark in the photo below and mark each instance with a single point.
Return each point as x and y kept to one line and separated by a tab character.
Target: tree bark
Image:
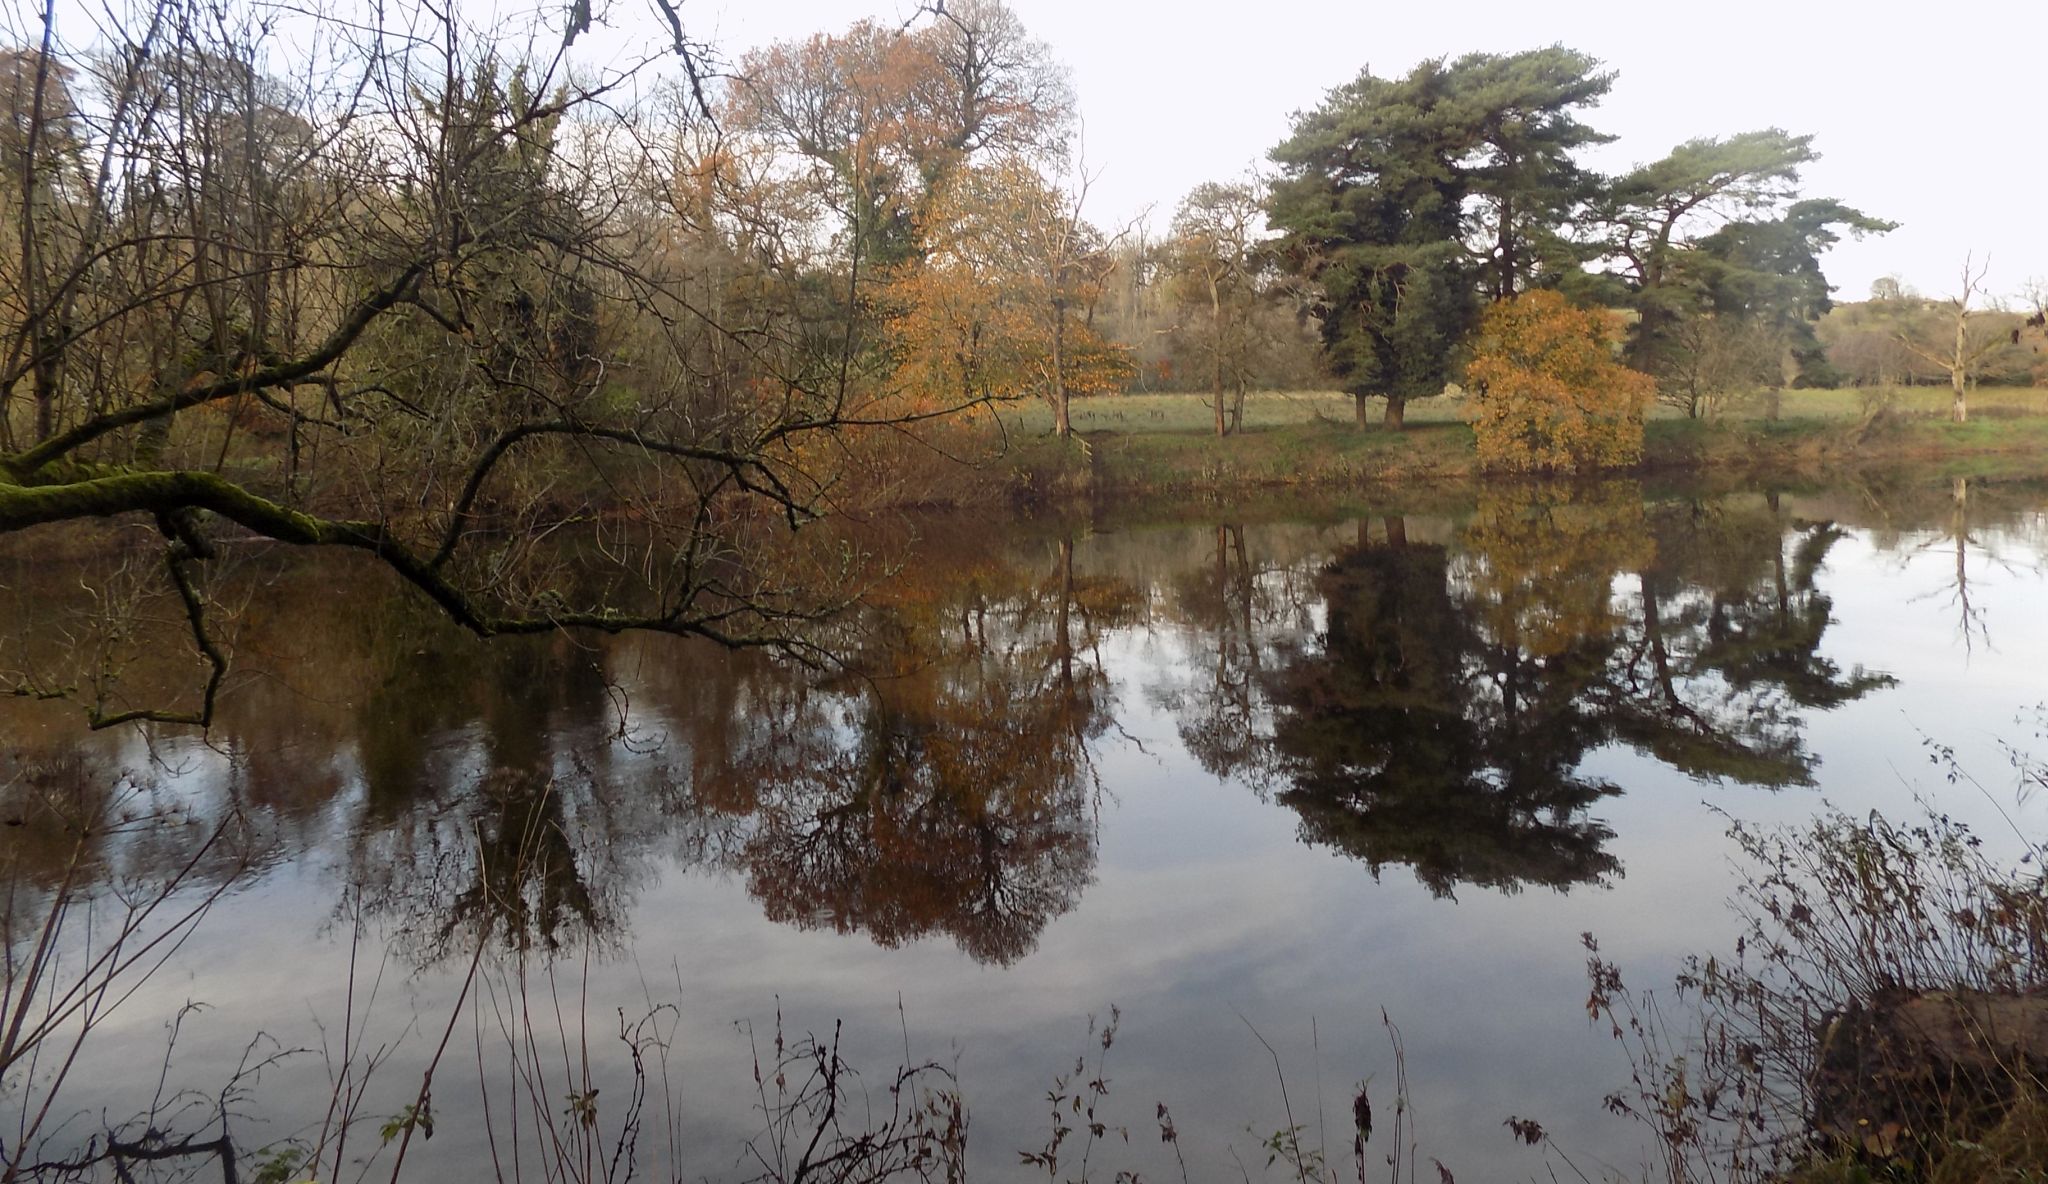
1397	412
1358	403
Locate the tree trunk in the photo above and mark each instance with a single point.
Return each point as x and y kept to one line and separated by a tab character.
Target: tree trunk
1358	402
1216	351
1063	637
1960	528
1506	289
1062	425
1959	374
46	395
1397	530
1397	412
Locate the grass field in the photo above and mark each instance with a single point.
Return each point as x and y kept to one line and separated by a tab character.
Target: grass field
1165	443
1273	409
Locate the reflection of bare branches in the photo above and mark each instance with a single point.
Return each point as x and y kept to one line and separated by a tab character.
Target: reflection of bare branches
1972	626
72	959
154	1136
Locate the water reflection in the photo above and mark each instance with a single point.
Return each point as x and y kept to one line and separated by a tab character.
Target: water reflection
1422	732
942	782
1422	691
1441	716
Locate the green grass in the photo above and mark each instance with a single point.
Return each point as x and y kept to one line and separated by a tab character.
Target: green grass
1191	413
1165	443
1179	413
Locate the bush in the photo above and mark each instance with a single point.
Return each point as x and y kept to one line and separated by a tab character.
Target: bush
1552	397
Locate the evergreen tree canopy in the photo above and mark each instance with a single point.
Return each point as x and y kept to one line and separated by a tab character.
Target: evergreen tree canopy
1406	199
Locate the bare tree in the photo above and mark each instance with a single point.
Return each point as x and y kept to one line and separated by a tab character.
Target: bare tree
1216	255
1972	342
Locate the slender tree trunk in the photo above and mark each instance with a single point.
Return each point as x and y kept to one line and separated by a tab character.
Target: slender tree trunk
1358	403
46	385
1216	352
1237	407
1506	290
1397	412
1062	425
1959	373
1397	530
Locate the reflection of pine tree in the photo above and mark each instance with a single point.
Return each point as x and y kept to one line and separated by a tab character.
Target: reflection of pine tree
1443	721
1395	754
1728	645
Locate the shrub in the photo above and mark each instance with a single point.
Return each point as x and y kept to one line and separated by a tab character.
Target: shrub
1552	397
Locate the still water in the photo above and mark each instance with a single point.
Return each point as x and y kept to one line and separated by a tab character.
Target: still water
1241	773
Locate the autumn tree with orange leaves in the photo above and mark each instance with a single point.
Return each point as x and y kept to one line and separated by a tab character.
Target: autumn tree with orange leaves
875	120
1552	397
1001	306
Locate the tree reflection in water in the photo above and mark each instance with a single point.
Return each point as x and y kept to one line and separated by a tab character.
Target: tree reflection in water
1441	720
949	788
1427	693
1441	717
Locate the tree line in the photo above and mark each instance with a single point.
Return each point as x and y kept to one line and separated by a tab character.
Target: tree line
440	294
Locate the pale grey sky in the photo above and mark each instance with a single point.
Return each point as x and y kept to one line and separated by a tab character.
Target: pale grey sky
1930	115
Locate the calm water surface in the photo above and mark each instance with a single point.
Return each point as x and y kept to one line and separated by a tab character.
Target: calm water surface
1245	769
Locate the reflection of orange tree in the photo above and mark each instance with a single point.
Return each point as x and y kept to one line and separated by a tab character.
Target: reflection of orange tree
951	789
1540	575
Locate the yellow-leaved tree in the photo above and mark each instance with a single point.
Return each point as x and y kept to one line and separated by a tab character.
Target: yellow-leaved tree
1001	306
1551	396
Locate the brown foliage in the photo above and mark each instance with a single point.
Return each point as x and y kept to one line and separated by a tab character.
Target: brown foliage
1553	397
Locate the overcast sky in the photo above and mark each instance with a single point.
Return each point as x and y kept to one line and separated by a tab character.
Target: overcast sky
1931	115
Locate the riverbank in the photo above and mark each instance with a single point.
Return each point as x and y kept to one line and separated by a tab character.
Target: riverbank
1324	455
